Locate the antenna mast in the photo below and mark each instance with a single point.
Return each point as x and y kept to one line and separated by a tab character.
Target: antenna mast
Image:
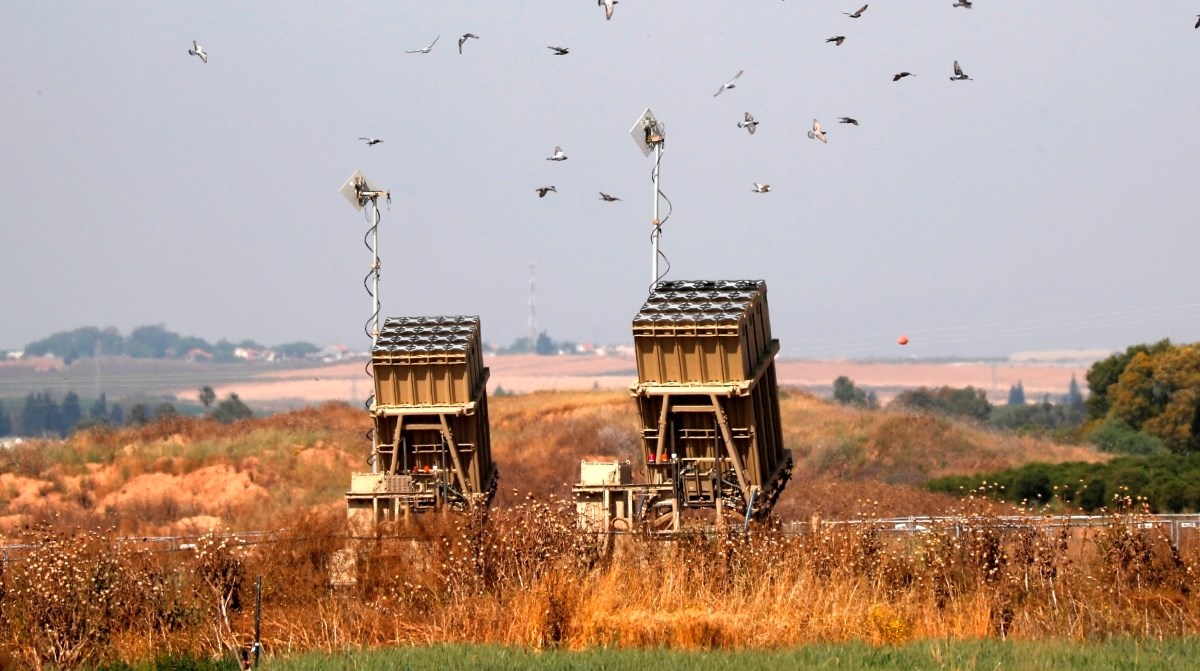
361	193
649	134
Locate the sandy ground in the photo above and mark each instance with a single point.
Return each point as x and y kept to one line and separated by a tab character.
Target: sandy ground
526	373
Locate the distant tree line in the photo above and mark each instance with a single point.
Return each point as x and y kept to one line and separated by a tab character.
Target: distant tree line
1145	403
149	342
1063	416
543	345
41	416
1169	483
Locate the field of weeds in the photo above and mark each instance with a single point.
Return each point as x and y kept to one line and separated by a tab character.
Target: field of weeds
521	576
85	581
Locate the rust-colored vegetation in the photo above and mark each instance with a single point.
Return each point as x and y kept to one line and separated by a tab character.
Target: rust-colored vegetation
85	583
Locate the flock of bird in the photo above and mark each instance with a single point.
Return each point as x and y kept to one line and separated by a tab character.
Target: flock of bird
748	122
817	132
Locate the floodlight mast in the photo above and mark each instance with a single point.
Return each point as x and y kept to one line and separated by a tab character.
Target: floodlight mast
361	193
647	132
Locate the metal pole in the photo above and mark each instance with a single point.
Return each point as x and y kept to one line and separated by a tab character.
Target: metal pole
657	224
375	267
375	315
257	620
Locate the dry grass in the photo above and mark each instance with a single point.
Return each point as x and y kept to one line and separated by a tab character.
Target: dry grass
522	576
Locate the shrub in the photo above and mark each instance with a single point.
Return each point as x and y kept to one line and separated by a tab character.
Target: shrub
1115	436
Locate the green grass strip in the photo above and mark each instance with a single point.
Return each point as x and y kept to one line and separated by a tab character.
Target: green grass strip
989	655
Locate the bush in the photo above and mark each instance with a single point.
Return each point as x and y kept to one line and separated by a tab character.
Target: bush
1115	436
965	402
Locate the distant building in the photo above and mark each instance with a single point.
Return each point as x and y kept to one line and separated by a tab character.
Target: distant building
251	354
331	353
196	354
1068	357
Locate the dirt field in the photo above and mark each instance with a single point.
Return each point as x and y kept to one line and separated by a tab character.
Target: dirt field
526	373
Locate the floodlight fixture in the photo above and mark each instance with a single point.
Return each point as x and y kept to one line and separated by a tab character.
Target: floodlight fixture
359	191
648	133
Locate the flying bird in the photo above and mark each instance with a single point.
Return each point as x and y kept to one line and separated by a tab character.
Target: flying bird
426	49
965	4
607	198
558	155
816	133
849	120
857	14
1197	21
761	188
728	84
959	75
198	50
560	51
542	191
370	140
749	124
608	7
837	40
901	75
464	38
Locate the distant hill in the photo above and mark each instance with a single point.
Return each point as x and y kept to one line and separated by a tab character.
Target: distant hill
156	342
180	472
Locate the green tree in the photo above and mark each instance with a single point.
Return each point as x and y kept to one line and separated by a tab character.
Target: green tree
207	396
72	412
847	393
165	409
151	342
138	416
1159	393
1105	373
116	415
1016	394
545	346
53	415
231	410
6	425
99	407
83	342
41	416
33	416
1074	405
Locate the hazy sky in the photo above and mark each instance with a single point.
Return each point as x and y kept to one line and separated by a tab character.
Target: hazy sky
1049	203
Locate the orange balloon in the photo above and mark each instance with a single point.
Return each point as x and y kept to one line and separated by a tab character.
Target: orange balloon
903	340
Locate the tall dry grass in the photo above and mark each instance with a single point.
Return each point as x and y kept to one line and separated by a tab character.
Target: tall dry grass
519	574
522	575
